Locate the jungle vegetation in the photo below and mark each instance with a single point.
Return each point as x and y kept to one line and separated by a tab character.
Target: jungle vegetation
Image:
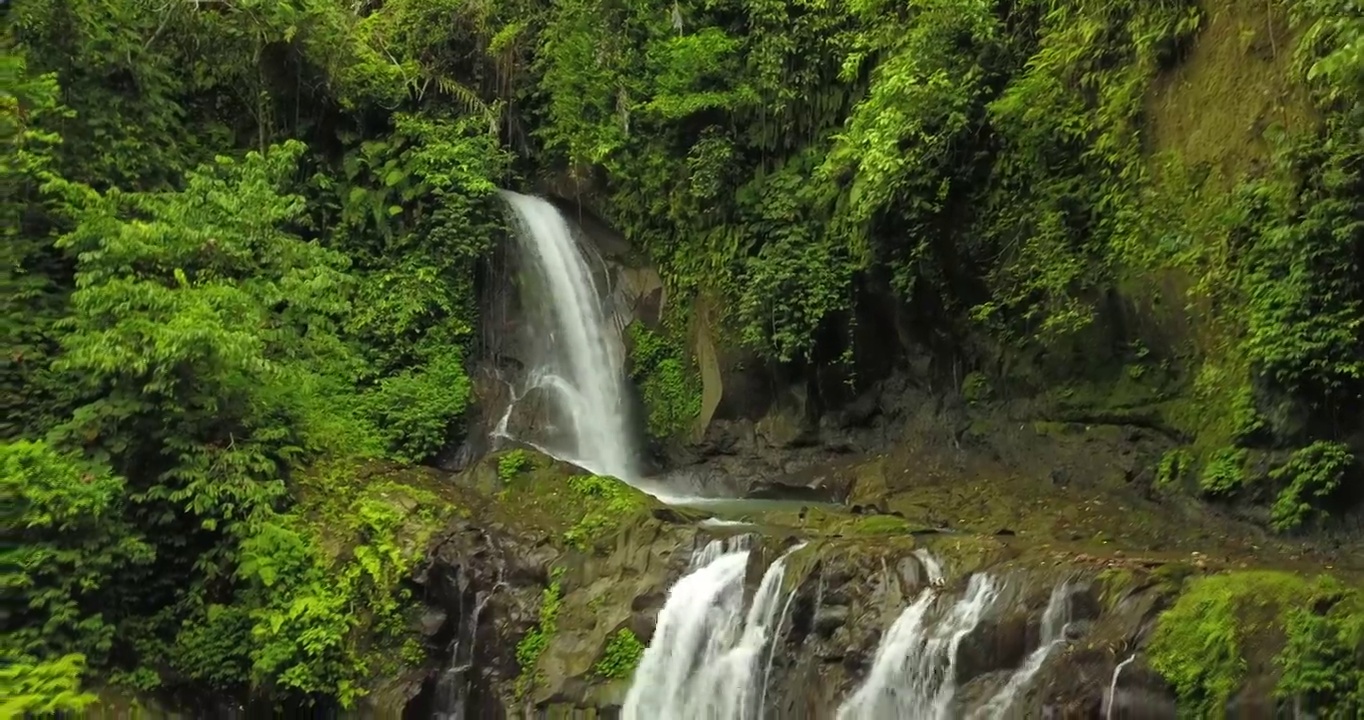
243	245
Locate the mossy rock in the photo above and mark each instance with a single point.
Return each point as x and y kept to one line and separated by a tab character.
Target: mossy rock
573	506
612	551
869	483
328	494
1249	632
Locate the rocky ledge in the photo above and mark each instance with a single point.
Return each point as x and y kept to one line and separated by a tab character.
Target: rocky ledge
545	588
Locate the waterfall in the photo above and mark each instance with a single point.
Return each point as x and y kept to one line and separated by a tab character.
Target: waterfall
583	365
452	688
1113	687
711	551
913	676
704	660
1054	621
932	568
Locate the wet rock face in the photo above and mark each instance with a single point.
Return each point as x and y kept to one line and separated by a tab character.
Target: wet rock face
537	417
485	588
786	445
845	591
849	594
840	607
996	644
1081	687
482	583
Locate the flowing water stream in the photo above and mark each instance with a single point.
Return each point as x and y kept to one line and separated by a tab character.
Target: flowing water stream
1112	699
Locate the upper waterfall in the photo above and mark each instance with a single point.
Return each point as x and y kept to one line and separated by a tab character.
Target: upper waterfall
582	356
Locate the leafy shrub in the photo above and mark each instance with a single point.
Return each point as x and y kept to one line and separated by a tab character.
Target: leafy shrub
324	622
606	501
1223	472
512	463
1313	474
416	409
215	648
1322	670
36	688
621	656
672	392
1199	643
204	337
536	641
68	546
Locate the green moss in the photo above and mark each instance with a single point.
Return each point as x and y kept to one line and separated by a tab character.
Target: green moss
976	388
579	510
1109	396
1114	583
1323	659
1172	576
880	525
607	501
620	657
322	606
1174	464
670	386
1052	429
1218	629
829	521
536	641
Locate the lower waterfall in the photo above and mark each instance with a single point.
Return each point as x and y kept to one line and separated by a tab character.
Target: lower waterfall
706	659
1054	621
913	676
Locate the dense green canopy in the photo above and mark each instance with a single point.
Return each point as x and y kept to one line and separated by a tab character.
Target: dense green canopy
243	242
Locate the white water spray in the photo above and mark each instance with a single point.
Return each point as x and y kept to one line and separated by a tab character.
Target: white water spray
932	568
584	365
704	660
913	676
1054	621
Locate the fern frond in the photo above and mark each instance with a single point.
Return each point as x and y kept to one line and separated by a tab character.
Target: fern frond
463	95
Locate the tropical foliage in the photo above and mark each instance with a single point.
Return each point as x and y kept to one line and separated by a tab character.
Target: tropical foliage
243	242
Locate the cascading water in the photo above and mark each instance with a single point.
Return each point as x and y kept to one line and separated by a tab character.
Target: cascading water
583	363
1054	621
452	688
913	676
1113	687
932	568
703	662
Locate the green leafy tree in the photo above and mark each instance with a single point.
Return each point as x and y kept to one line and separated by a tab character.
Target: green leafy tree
201	331
68	551
35	687
32	296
